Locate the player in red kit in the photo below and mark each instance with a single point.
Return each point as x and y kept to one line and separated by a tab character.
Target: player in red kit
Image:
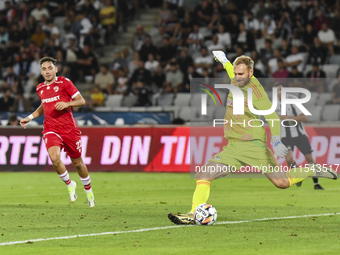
58	95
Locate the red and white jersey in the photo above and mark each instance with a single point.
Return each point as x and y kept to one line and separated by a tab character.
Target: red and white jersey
61	90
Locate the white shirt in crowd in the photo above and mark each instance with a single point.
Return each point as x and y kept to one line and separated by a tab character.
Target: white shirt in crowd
272	63
36	14
203	60
251	25
151	66
293	58
217	46
224	39
326	37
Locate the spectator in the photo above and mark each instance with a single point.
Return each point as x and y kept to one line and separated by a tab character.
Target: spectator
121	82
319	20
23	12
267	52
34	67
268	27
295	77
134	64
303	10
138	38
143	92
158	79
316	80
15	39
282	73
38	37
65	38
50	49
21	68
88	9
104	80
273	62
186	25
97	97
190	74
147	48
6	100
166	52
63	69
308	37
203	61
184	60
21	104
252	24
173	78
285	48
285	26
224	37
86	30
118	62
13	120
12	81
164	14
39	11
151	64
140	74
259	67
4	36
335	93
108	15
317	53
335	23
171	27
327	37
6	57
215	45
295	59
87	63
203	13
194	40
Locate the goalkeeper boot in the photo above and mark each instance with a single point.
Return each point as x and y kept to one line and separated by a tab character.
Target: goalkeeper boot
299	184
323	171
90	198
182	219
318	186
72	191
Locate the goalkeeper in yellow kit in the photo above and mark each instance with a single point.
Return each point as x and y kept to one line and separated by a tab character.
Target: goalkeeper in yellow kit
247	145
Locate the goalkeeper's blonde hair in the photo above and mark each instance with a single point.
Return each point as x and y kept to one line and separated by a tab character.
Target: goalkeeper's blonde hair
244	60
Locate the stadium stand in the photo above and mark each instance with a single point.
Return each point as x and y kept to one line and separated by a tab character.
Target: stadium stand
77	31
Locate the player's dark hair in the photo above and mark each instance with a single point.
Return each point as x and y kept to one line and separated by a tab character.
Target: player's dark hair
47	59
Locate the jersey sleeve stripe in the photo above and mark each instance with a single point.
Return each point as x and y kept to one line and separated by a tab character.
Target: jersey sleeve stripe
255	91
75	94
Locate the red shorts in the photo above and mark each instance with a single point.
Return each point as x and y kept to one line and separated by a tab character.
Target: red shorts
70	142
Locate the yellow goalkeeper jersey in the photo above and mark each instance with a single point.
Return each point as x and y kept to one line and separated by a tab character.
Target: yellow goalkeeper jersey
248	127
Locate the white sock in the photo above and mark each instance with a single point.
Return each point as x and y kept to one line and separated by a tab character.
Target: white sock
66	178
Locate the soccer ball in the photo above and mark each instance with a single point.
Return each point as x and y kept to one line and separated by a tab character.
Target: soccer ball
205	214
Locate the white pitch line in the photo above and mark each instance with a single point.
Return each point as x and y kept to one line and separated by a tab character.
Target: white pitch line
160	228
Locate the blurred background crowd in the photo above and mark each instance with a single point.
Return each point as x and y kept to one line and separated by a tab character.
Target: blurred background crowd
288	40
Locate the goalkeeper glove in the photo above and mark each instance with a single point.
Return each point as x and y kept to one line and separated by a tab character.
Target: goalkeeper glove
278	147
220	57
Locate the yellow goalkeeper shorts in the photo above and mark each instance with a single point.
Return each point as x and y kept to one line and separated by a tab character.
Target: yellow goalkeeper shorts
247	155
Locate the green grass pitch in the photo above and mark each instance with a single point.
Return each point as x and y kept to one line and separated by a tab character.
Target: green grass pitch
36	205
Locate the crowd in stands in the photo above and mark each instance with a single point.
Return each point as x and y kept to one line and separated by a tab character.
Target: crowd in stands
282	37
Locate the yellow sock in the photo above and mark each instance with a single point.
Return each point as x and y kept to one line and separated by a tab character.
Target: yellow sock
296	175
201	194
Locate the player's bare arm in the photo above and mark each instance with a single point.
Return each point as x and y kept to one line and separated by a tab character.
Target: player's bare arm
78	100
37	113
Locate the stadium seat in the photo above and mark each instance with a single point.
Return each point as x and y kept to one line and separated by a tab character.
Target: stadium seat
219	112
223	97
154	109
331	82
307	69
323	98
206	118
120	109
173	109
187	113
137	109
330	70
182	99
166	99
114	100
129	100
277	43
102	109
316	113
196	99
334	60
259	43
331	113
313	99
